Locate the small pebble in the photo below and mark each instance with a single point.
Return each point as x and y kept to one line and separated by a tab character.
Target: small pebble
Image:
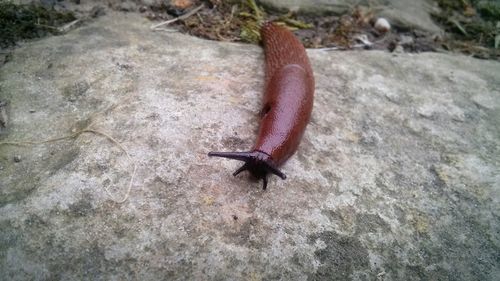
405	40
181	4
398	49
382	25
127	6
32	111
17	158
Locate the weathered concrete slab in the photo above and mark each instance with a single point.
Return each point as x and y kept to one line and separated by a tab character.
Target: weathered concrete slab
397	177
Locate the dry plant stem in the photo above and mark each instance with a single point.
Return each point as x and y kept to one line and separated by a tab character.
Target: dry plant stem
65	28
46	26
255	8
356	46
231	16
185	16
26	143
166	30
62	29
127	193
76	134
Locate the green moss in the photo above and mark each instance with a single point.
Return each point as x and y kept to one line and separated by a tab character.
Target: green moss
489	10
253	16
18	22
470	22
452	4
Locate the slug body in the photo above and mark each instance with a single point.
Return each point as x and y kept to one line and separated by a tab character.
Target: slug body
287	105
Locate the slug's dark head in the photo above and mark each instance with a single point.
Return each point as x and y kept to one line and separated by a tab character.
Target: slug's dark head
258	163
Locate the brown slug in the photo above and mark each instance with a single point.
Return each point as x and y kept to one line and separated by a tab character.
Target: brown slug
287	105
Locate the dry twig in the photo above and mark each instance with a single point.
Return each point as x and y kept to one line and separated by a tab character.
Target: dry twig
155	27
76	134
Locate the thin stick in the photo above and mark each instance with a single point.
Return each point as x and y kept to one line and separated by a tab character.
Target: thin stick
126	153
185	16
331	48
76	134
26	143
66	27
231	16
355	46
46	26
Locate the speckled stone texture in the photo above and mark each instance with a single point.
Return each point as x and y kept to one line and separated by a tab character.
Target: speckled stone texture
397	177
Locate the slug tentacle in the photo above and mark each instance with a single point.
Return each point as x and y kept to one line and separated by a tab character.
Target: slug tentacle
258	163
264	180
240	169
242	156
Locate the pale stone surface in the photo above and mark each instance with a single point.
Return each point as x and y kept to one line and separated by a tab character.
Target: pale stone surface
397	177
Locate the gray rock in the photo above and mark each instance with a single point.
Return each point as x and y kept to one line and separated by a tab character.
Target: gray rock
319	7
127	6
406	14
386	184
411	14
4	118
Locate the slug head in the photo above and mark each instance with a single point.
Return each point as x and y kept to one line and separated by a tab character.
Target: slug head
258	163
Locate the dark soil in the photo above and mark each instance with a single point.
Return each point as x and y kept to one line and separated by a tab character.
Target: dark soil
471	25
19	22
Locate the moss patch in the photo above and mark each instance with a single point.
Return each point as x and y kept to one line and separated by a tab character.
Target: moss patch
471	26
18	22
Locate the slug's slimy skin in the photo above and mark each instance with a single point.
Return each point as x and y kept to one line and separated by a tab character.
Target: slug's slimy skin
287	106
